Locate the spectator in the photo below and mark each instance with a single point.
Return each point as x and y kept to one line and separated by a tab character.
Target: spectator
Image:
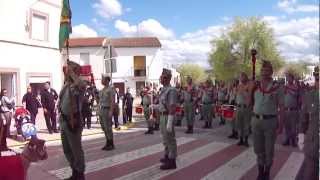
87	106
7	106
116	109
128	103
31	103
48	100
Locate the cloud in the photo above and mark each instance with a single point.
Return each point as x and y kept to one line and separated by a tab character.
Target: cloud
149	27
125	28
83	30
99	25
297	38
291	6
108	9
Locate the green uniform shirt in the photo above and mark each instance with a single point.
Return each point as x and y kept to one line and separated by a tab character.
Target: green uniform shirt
222	93
105	97
241	97
168	97
207	97
267	103
146	100
66	103
290	98
187	95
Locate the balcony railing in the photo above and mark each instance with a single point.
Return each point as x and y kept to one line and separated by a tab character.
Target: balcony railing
140	72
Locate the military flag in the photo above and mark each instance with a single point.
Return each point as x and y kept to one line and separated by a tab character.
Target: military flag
65	24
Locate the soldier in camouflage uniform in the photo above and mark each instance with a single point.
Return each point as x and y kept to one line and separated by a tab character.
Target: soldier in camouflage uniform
309	131
291	107
222	99
155	112
268	99
189	102
179	115
167	109
70	109
106	103
243	114
146	102
207	103
232	100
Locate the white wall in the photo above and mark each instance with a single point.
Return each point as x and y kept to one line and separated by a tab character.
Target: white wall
15	15
31	60
23	54
124	63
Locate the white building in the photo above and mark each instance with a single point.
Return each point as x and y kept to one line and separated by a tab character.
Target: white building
138	60
29	45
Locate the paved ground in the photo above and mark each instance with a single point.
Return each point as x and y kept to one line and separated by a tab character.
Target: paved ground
206	154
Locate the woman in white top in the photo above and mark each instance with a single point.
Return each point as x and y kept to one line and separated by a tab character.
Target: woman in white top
7	106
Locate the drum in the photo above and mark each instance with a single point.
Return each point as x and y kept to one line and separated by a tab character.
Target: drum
228	112
217	110
139	110
179	110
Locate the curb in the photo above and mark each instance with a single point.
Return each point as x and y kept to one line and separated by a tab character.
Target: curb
51	140
57	139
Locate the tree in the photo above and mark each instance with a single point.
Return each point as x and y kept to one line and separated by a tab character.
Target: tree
298	69
231	53
196	72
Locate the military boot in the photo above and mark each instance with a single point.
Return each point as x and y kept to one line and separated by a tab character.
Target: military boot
240	142
210	124
3	140
164	159
190	130
267	173
234	135
246	143
106	145
156	127
206	125
170	164
178	122
293	142
150	131
110	145
286	142
261	173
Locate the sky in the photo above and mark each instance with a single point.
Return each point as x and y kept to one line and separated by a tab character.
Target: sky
186	27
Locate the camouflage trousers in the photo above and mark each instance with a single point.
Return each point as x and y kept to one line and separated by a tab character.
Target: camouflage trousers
168	138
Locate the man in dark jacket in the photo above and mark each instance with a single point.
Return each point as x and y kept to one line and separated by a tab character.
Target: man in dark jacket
48	99
87	106
31	103
128	102
116	109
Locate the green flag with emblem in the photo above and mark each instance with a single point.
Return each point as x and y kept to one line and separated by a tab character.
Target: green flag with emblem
65	23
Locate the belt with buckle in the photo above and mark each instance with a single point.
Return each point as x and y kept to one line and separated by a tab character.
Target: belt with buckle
291	109
242	106
163	113
265	116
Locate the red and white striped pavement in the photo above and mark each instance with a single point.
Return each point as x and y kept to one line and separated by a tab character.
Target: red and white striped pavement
204	155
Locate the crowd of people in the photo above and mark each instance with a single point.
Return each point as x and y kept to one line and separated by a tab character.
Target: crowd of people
260	109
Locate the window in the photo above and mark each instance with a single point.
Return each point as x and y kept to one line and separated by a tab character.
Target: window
139	63
84	59
39	26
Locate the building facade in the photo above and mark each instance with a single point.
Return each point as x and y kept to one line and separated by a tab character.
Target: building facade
137	60
29	45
